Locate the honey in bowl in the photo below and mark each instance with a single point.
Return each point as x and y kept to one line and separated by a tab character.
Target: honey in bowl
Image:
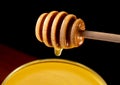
53	72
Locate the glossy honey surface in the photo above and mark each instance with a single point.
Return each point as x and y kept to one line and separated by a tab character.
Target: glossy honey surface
53	72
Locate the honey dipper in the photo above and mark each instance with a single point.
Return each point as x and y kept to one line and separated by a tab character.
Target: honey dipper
61	30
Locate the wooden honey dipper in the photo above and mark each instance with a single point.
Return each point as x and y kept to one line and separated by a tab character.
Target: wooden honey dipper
61	30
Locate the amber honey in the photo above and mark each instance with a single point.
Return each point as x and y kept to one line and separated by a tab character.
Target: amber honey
53	72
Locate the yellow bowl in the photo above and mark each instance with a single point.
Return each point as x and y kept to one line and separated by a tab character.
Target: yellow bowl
53	72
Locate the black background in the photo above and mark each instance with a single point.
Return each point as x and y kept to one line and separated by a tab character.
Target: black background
17	30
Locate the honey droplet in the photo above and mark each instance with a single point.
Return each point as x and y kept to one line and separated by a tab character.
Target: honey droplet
57	51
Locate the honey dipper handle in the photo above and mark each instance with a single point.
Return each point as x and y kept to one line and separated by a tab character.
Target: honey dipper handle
102	36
